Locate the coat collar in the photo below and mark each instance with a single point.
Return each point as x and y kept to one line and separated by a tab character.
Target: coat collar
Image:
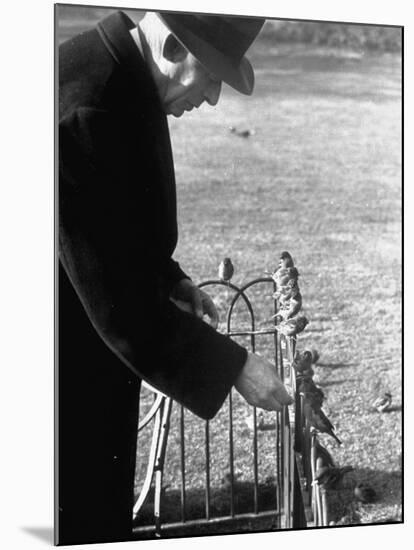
114	31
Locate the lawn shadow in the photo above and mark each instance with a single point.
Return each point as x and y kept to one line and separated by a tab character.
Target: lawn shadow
220	501
334	366
394	408
43	533
344	507
326	383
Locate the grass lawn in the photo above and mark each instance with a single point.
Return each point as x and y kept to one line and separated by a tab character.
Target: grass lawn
321	178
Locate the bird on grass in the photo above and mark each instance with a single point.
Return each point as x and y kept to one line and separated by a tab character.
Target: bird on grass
330	477
323	455
383	403
249	420
242	133
317	418
364	493
293	326
225	270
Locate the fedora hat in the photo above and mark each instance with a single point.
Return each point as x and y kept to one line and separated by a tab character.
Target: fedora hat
219	43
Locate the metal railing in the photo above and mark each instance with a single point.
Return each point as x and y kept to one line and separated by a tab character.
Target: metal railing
292	470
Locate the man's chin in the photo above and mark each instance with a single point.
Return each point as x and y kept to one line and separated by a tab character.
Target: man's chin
175	111
178	110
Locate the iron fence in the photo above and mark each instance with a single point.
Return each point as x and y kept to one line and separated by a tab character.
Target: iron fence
298	500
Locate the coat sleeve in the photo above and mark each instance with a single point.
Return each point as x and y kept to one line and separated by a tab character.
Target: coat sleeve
110	260
173	273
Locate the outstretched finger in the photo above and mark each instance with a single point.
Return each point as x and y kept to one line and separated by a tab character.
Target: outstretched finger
281	394
211	310
197	303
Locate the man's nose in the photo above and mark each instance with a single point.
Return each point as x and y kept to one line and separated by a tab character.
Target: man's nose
212	93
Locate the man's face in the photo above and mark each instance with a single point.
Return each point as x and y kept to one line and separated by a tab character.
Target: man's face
188	85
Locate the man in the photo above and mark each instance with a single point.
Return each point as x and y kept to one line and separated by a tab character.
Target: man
118	285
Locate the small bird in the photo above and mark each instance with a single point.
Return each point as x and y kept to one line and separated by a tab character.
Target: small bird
314	398
323	455
249	420
383	403
302	361
311	392
225	270
284	275
308	373
227	480
317	418
294	305
285	259
315	356
330	477
290	301
365	493
242	133
292	326
286	292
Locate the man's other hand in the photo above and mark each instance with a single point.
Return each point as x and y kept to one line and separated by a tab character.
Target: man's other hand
260	386
188	297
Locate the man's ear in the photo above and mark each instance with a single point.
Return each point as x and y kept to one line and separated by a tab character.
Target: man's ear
173	51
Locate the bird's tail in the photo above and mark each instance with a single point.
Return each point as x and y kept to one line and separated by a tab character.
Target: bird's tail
315	356
336	438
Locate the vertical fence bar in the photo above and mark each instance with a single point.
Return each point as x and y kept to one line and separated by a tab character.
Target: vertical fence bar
325	522
182	459
255	447
277	417
255	465
207	448
282	416
231	454
160	460
286	345
315	485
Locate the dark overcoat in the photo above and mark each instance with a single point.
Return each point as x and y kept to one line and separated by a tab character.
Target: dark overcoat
117	235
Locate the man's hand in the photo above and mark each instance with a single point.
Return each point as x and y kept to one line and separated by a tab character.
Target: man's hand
260	386
188	297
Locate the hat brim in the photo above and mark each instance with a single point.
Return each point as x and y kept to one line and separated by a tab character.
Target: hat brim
239	76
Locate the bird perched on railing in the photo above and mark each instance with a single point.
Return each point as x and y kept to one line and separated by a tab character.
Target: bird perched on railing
323	455
316	417
283	276
311	392
330	477
226	270
293	326
365	493
302	362
383	403
290	289
315	356
285	259
285	262
291	304
290	301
